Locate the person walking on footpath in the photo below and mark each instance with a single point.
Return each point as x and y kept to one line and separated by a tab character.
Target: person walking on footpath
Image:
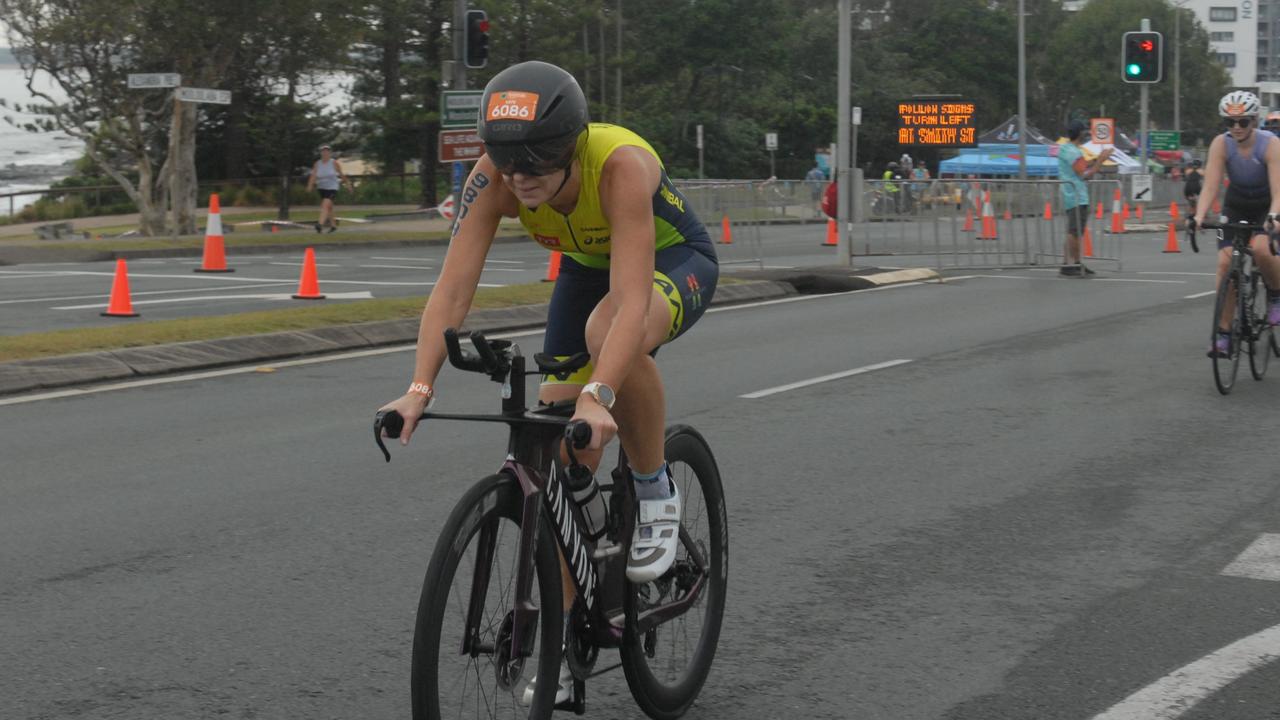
1074	170
326	177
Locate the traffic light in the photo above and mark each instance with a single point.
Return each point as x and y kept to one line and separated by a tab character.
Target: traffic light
476	47
1141	60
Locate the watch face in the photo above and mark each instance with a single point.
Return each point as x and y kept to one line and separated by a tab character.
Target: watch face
604	394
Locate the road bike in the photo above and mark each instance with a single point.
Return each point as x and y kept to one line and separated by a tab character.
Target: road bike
1248	327
490	635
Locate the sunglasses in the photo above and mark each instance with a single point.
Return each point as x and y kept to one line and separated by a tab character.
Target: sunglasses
1239	122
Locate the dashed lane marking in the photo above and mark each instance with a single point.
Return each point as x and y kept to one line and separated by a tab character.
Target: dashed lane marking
1199	295
1260	561
825	378
358	295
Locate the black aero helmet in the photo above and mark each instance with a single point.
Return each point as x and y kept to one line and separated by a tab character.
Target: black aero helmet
530	118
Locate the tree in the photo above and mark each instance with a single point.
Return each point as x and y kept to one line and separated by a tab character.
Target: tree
1085	77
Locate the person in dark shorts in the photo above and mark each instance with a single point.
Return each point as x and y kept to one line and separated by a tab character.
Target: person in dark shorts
1250	158
327	177
1073	170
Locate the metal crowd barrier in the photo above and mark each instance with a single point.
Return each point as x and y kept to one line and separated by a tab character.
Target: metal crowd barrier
735	210
979	223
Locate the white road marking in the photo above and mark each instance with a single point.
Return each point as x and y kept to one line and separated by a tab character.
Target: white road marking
489	269
146	292
295	264
358	295
229	277
803	298
399	267
1152	272
505	262
1178	692
1139	280
409	259
1260	561
825	378
1200	295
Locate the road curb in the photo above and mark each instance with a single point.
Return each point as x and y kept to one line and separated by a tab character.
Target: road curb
132	363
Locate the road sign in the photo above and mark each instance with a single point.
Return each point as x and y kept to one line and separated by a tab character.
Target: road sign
856	115
445	208
460	108
771	141
1140	188
459	146
937	122
1103	130
204	95
142	81
1165	139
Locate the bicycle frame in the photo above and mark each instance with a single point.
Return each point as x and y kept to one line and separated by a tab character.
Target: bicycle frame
532	446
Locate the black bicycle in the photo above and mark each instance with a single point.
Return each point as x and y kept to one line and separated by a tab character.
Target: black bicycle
1240	311
489	639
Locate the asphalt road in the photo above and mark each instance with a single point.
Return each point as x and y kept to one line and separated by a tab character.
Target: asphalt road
1031	519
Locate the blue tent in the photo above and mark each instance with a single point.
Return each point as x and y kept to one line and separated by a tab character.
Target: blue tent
994	159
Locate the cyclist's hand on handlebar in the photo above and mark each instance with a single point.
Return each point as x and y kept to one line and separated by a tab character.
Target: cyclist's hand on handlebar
410	406
1193	223
603	427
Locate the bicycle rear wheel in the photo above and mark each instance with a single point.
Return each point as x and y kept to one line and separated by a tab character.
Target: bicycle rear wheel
458	677
1261	334
667	666
1225	368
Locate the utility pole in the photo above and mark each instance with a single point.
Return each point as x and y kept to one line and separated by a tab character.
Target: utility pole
1022	90
458	31
618	116
844	178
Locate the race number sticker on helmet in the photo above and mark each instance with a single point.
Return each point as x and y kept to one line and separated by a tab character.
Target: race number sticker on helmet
512	105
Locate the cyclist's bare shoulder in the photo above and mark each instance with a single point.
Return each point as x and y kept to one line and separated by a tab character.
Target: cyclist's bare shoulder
630	169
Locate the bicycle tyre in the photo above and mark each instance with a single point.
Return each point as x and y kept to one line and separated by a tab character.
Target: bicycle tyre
1261	334
705	520
1225	369
496	500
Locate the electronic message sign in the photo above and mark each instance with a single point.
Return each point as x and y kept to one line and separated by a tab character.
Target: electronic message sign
940	123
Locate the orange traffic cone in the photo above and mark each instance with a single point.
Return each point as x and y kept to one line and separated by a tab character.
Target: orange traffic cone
275	228
1117	219
1125	214
1048	210
1171	239
1173	210
1007	214
833	235
553	267
726	232
988	219
1088	244
1138	210
309	284
1098	213
215	255
120	305
968	221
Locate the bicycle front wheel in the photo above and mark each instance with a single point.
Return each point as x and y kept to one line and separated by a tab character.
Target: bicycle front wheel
667	666
1261	334
1225	368
463	663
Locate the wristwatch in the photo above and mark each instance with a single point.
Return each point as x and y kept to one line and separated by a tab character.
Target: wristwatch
602	393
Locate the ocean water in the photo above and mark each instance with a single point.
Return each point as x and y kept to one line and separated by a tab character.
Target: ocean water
30	160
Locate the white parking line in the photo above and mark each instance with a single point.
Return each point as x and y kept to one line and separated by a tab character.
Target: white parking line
825	378
1260	561
147	292
1178	692
358	295
295	264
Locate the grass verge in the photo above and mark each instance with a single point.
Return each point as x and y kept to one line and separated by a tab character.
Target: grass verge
135	334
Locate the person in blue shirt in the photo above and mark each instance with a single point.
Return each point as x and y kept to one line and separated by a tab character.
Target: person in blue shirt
1073	171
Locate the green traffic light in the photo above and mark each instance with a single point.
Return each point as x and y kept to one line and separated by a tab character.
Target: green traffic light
1133	69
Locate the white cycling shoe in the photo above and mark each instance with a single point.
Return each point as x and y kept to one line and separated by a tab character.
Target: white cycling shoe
563	692
656	538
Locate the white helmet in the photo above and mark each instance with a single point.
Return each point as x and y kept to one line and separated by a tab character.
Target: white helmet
1237	103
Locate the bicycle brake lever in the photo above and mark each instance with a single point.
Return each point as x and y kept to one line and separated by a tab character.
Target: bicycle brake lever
393	423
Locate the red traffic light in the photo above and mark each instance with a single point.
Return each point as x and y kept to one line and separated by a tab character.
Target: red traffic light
1147	45
484	27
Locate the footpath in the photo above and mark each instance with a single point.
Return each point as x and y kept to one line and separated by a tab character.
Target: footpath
18	246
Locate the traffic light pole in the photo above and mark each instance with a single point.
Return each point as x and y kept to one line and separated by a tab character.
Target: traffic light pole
1145	145
459	44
